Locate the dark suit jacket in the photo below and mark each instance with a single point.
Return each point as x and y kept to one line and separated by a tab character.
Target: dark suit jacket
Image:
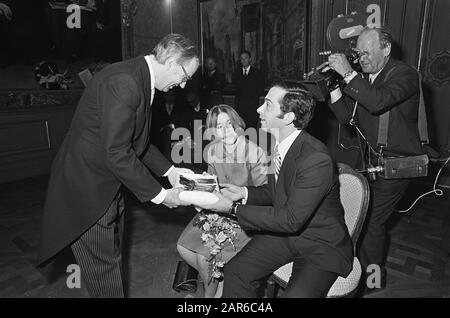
248	90
212	87
305	206
398	94
106	147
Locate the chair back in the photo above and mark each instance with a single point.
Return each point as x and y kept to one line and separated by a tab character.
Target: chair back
354	195
354	192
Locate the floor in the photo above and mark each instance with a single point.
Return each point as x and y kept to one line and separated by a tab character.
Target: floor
418	258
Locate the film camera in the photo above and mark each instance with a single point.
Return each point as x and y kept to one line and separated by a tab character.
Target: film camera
342	34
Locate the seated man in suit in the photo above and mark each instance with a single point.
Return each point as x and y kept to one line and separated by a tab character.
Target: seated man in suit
297	216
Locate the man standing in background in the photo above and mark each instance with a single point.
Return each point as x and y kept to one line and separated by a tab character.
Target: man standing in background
213	82
249	84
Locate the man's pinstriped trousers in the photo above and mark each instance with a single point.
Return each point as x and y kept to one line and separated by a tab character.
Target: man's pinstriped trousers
99	255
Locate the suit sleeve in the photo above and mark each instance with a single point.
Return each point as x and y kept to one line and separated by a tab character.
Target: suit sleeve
401	84
118	98
342	109
156	161
259	196
312	182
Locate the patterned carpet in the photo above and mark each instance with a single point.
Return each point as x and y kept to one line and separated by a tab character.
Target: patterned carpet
418	258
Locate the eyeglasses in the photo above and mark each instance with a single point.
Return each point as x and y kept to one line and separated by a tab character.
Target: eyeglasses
186	75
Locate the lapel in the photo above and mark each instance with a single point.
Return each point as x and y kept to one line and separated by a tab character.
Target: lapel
146	81
288	167
146	85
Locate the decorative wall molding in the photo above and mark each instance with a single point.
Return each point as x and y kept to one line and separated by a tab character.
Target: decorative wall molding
438	68
25	136
26	99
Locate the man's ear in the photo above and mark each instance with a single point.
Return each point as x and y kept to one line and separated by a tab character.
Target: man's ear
170	64
289	118
387	49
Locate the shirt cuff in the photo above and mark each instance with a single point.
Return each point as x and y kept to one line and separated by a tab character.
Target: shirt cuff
169	171
335	95
244	200
160	197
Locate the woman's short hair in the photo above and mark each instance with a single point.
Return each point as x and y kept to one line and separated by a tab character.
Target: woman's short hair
297	100
236	120
175	46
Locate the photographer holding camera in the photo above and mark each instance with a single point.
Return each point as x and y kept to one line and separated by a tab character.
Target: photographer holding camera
383	104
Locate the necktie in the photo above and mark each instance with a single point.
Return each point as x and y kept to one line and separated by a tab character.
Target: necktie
276	157
245	72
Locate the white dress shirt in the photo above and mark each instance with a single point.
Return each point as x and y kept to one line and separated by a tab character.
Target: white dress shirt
283	148
162	195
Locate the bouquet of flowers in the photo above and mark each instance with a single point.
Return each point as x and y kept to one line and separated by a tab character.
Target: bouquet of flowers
218	231
46	73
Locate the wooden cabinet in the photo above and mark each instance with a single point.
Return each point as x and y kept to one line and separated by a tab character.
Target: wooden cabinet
32	127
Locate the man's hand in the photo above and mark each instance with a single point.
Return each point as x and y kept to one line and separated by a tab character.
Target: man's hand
233	192
6	11
223	205
173	175
339	63
172	199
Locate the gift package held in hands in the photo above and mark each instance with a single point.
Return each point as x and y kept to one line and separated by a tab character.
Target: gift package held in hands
199	188
198	182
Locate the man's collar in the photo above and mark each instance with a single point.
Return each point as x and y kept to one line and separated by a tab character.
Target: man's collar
152	73
373	77
285	145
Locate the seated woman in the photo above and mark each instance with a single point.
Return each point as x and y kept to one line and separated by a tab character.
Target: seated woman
233	159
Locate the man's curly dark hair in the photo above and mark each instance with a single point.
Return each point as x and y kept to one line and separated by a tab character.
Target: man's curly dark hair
297	100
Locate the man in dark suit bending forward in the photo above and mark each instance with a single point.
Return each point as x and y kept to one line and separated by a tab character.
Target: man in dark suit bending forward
107	147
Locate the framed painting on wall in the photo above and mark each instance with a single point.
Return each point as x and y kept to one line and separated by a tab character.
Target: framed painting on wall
273	31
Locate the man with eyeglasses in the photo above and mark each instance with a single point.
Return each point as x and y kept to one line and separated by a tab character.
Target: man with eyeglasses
387	87
107	148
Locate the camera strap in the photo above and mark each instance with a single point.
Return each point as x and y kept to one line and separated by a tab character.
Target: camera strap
383	125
